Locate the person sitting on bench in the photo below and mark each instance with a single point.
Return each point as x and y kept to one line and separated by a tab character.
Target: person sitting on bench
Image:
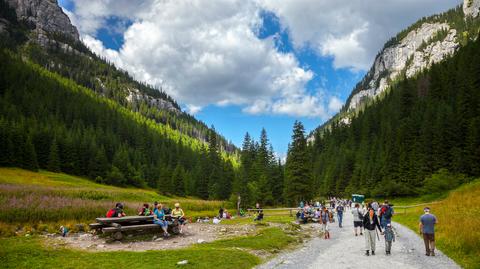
145	211
116	212
259	216
177	213
159	219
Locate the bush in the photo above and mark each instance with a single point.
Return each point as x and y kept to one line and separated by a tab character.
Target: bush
442	181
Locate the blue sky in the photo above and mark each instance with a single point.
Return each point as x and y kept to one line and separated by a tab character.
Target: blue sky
295	42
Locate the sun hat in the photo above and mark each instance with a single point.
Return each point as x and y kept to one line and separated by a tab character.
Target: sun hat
177	205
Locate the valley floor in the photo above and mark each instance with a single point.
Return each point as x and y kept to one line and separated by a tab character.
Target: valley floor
344	250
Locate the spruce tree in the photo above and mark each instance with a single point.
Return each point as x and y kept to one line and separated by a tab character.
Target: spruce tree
29	156
297	173
53	158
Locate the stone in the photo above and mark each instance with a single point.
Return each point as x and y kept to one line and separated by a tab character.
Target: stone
184	262
471	8
200	241
159	239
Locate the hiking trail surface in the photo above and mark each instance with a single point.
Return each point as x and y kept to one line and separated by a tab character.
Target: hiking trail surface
345	250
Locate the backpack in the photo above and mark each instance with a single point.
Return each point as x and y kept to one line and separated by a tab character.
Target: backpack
111	213
388	213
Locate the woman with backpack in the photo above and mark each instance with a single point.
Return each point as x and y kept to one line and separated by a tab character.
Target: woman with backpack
324	218
145	211
370	223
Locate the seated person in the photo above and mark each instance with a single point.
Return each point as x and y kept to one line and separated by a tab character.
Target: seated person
316	215
145	211
259	216
159	219
116	212
177	213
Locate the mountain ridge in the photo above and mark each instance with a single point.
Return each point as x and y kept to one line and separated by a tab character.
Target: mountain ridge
54	43
427	41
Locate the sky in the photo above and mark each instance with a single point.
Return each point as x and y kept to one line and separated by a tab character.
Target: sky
244	65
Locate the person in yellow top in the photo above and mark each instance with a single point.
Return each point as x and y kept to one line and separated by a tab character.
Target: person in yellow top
180	215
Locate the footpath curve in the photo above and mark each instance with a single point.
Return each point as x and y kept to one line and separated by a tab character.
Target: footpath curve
345	250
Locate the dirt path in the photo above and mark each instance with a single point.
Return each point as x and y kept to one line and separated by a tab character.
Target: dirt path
194	233
344	250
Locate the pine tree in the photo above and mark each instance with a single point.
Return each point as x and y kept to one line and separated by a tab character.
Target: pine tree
178	181
29	156
297	174
53	158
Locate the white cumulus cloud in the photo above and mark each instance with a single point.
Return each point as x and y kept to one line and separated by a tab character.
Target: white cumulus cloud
208	52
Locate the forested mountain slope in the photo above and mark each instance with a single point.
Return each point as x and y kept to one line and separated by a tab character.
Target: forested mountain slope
46	37
64	109
428	41
425	124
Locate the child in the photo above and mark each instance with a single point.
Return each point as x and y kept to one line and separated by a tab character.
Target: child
389	237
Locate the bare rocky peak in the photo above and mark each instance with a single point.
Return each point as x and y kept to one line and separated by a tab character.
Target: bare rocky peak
418	50
410	55
46	16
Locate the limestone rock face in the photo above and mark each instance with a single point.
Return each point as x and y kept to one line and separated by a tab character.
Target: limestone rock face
410	54
136	97
46	16
471	8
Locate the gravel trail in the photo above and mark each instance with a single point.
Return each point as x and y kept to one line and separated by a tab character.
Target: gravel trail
344	250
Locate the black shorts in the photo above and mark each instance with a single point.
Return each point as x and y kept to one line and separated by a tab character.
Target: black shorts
357	224
429	237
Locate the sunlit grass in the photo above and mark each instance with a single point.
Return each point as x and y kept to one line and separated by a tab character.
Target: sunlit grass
457	233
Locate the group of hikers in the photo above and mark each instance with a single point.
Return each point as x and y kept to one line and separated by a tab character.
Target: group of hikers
366	220
163	216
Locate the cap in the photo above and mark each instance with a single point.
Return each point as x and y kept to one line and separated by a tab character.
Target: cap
426	209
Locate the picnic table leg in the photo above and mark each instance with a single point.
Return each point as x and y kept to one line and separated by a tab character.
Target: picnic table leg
117	235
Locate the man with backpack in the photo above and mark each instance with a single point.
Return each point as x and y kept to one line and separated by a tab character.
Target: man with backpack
386	213
116	212
357	219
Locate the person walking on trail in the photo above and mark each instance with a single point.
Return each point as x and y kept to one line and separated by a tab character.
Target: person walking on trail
340	210
324	218
370	223
357	213
389	238
427	228
386	213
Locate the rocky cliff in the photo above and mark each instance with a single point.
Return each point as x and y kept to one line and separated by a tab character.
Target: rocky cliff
44	16
424	45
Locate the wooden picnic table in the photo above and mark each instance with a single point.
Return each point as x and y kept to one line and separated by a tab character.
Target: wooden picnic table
116	226
125	220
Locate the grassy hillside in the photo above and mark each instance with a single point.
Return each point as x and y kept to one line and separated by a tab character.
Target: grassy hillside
457	233
44	200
